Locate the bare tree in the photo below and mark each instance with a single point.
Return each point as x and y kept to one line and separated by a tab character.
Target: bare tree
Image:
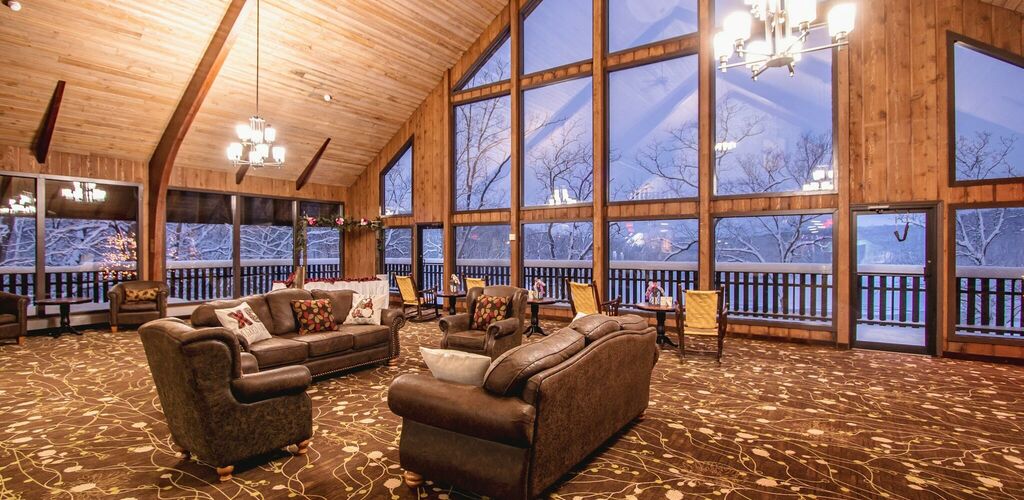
562	161
483	145
782	238
982	157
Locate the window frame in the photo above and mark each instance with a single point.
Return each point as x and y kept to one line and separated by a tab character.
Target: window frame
381	253
453	167
952	39
524	11
832	325
606	40
521	238
646	218
454	243
407	146
460	85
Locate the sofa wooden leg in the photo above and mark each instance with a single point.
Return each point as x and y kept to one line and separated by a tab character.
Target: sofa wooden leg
393	362
113	328
225	472
412	479
303	447
21	340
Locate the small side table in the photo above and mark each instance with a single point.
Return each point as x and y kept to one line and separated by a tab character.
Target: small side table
65	304
450	298
535	312
659	312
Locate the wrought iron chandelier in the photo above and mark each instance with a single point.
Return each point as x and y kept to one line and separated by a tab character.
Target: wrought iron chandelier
256	147
84	192
787	24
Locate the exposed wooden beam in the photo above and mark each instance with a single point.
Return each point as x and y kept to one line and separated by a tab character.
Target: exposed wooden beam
162	161
304	177
42	146
240	174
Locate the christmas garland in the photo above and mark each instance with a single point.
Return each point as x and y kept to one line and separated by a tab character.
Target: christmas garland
339	223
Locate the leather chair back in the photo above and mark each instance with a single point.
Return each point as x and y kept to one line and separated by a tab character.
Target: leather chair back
517	299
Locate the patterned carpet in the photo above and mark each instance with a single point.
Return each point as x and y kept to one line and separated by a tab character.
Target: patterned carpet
79	418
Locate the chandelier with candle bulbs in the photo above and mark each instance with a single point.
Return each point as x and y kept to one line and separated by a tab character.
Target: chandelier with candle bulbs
84	192
787	25
256	139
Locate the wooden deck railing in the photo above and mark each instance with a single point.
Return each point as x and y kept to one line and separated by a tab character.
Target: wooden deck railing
990	302
779	294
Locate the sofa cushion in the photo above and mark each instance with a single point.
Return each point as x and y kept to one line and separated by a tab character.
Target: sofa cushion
242	320
137	307
204	315
456	366
367	335
279	351
280	304
468	339
341	301
631	322
366	309
488	309
6	319
140	294
313	315
324	343
595	326
508	374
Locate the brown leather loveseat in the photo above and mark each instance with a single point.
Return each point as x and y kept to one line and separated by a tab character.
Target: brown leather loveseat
544	406
323	353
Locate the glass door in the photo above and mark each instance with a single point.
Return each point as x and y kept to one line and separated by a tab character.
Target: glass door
430	248
893	296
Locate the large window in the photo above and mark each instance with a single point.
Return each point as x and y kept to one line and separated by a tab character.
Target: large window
396	188
323	244
559	149
774	135
200	246
91	238
483	252
632	23
989	267
653	128
397	253
18	235
556	33
497	67
483	145
663	251
431	258
553	251
988	124
776	267
266	242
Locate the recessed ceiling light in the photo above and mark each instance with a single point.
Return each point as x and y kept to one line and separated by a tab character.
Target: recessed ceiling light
327	97
14	5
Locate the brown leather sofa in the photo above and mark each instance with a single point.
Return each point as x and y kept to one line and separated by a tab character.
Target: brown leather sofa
499	337
123	312
543	407
323	353
217	405
13	317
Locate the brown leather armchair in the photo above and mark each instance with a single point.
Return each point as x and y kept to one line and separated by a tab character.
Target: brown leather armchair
217	405
13	317
123	312
499	337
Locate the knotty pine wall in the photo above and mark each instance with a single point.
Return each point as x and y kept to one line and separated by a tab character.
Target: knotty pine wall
891	111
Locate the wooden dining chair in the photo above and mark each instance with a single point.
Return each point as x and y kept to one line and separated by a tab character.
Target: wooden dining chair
585	299
472	283
420	299
702	315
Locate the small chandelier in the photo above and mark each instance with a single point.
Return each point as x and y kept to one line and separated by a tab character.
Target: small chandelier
787	24
256	139
86	192
24	204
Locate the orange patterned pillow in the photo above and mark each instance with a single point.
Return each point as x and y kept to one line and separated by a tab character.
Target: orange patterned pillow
140	295
314	316
489	308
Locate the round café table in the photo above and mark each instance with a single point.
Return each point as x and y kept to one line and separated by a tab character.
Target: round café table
535	312
65	304
660	312
449	298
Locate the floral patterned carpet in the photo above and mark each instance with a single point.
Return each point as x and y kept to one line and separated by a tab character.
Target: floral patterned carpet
79	418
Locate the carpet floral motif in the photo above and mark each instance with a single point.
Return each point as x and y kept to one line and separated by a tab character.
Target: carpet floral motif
79	418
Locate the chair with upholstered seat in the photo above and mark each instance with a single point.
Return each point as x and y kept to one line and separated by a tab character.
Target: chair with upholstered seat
703	315
585	299
472	283
457	332
13	317
423	300
136	302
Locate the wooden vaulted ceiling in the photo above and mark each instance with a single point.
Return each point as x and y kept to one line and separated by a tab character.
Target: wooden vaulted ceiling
127	62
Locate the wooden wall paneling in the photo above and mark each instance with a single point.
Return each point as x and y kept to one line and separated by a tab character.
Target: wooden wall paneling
875	102
489	39
599	106
898	118
516	162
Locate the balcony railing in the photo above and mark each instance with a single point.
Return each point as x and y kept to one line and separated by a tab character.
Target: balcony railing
211	280
777	292
79	281
892	295
990	301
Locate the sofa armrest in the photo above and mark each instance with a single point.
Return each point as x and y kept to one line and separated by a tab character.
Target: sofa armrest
249	363
461	408
499	329
454	323
270	384
388	317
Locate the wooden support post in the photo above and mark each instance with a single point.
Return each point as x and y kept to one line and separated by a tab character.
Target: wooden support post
448	206
516	163
162	161
600	108
45	137
706	139
311	166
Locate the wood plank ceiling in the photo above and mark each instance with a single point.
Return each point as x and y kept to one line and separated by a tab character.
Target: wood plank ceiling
127	62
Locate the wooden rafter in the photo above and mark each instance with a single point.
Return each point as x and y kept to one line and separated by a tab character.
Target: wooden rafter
162	161
240	174
45	137
308	172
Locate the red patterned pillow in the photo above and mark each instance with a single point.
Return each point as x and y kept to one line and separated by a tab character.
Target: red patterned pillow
489	308
314	316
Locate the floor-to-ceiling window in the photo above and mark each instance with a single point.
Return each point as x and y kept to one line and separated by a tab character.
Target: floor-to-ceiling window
643	251
200	246
18	235
265	242
397	247
483	252
556	251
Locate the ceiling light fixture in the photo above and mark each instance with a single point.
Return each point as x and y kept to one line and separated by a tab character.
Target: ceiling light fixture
787	24
87	192
14	5
328	97
257	137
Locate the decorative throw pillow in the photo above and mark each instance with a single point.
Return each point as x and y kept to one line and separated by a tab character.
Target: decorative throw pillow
314	316
366	309
140	294
242	320
489	308
456	366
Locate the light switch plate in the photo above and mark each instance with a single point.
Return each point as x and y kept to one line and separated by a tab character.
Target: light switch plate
511	236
